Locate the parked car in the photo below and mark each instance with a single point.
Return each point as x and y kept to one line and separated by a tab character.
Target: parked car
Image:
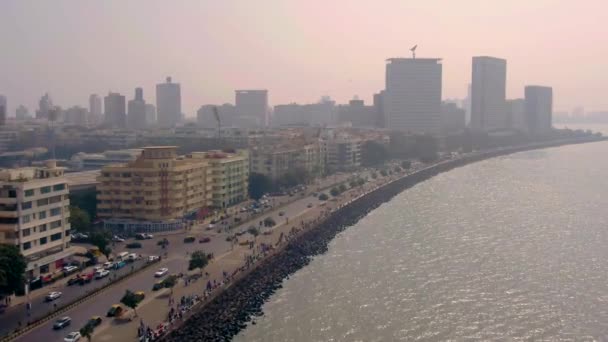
281	213
131	257
204	239
140	236
118	239
74	336
158	285
148	236
70	269
161	273
119	265
189	239
101	274
309	205
52	296
62	323
140	295
108	265
86	278
152	258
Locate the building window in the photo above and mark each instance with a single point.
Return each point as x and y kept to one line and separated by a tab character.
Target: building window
43	240
55	224
25	218
55	199
55	211
26	205
27	246
42	202
42	215
42	228
29	192
44	269
45	189
58	187
55	237
26	232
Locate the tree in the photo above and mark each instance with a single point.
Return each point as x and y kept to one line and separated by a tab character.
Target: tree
85	200
384	173
101	241
87	331
198	260
406	164
353	183
131	300
360	181
79	219
373	153
342	188
253	231
323	197
374	175
259	184
334	191
170	282
12	270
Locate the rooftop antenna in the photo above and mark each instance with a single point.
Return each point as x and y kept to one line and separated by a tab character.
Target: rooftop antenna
414	51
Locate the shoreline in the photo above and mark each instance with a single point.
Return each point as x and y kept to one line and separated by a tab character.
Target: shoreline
227	312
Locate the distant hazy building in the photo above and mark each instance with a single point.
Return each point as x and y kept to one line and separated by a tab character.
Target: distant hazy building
539	108
150	114
76	116
453	118
467	104
95	109
226	112
3	110
412	101
137	111
115	110
379	108
22	113
516	115
291	114
168	103
488	93
44	107
357	114
253	104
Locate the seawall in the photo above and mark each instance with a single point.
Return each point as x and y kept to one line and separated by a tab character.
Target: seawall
229	311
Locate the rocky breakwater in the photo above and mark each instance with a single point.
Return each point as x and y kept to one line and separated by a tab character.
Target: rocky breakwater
230	311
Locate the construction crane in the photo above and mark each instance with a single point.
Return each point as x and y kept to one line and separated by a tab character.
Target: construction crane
414	51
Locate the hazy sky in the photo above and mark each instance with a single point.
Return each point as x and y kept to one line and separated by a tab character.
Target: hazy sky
297	49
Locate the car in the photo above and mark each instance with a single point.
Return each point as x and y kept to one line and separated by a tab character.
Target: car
52	296
98	268
62	323
309	205
72	337
140	236
131	257
86	278
140	295
152	258
281	213
204	239
101	274
148	236
94	321
158	285
133	245
118	239
108	265
74	280
189	239
161	273
115	310
119	265
244	209
70	269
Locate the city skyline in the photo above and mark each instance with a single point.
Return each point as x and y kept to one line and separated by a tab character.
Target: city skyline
281	60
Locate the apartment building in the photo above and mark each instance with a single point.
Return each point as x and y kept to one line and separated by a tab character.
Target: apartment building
34	215
228	176
155	192
343	154
275	162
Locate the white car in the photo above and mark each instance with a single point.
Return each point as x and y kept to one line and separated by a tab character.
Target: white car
98	268
52	296
70	269
72	337
149	236
101	274
161	273
152	258
108	265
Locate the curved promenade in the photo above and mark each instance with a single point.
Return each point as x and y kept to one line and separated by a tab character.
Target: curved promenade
221	317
